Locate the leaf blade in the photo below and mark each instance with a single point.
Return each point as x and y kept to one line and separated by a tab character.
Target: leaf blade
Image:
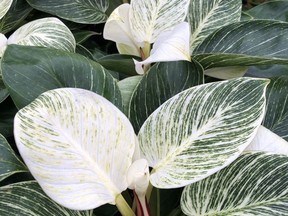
190	136
255	184
75	136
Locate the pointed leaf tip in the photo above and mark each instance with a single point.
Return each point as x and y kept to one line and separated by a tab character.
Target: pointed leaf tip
201	130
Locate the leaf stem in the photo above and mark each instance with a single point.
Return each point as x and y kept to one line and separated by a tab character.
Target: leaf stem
125	1
123	206
149	191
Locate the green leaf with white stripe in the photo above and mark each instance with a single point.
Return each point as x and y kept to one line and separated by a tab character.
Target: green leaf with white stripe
148	18
9	162
4	7
163	81
207	16
46	32
254	184
18	11
127	87
27	199
274	9
245	43
201	130
276	118
29	71
80	11
77	145
266	140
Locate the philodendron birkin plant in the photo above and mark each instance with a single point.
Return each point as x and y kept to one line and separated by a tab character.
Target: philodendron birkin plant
159	142
84	153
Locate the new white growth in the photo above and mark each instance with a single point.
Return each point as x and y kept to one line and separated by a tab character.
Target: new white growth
136	27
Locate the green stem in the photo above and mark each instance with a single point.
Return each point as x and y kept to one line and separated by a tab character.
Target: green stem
125	1
149	191
123	206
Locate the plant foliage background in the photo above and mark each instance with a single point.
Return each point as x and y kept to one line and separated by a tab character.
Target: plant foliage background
211	120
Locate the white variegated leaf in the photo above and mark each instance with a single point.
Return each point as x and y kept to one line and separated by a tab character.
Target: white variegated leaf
226	72
28	199
207	16
266	140
3	44
79	11
148	18
77	145
4	7
170	46
201	130
47	32
117	29
254	184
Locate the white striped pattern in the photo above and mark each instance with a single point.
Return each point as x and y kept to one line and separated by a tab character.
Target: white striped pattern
148	18
245	43
254	184
28	199
80	11
46	32
4	7
207	16
201	130
77	145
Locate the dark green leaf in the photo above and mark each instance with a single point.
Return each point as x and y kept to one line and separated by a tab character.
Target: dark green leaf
28	199
9	162
254	184
245	43
82	36
267	71
83	51
7	113
276	118
163	81
207	16
3	92
120	63
30	71
81	11
276	10
18	11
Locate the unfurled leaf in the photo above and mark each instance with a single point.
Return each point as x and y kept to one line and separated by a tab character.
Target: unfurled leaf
207	16
80	11
46	32
245	43
18	11
4	7
27	199
149	18
254	184
266	140
169	46
77	145
30	71
276	118
201	130
117	28
163	81
9	162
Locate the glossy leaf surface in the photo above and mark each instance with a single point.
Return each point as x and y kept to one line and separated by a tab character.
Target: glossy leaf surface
80	11
201	130
30	71
70	139
254	184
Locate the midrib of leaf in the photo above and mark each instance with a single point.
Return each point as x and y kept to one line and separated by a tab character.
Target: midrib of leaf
187	142
153	20
202	23
258	204
94	167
